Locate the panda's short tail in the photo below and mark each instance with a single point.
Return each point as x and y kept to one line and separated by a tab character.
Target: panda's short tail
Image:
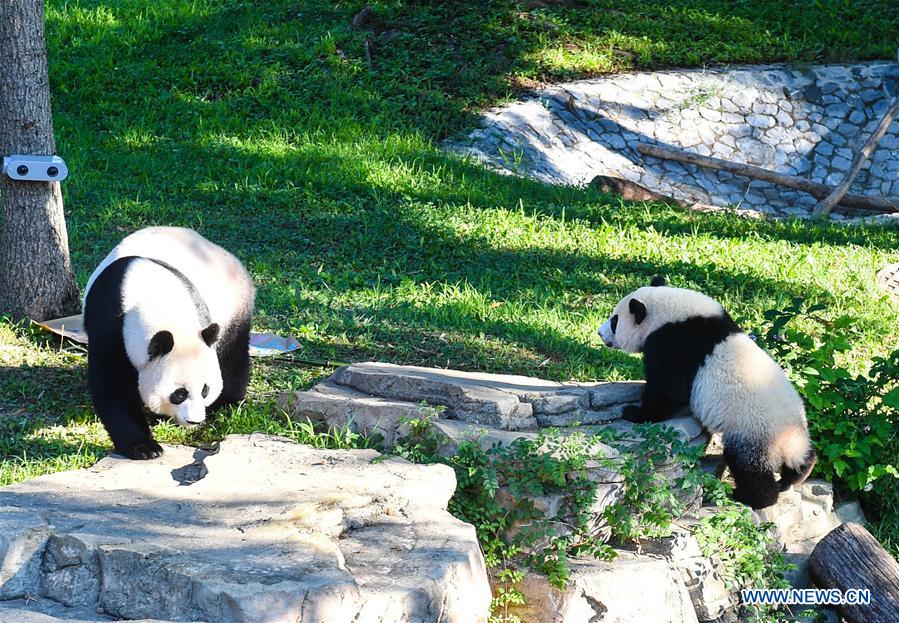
790	476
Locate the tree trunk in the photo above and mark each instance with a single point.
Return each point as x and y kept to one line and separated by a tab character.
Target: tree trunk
849	557
36	278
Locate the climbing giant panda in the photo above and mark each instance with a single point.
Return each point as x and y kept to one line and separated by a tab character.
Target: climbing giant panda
694	354
167	314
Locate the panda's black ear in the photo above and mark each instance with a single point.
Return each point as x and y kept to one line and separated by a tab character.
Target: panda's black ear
658	280
638	309
160	344
210	334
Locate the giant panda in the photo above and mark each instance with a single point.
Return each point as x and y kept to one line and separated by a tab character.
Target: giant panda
167	314
694	354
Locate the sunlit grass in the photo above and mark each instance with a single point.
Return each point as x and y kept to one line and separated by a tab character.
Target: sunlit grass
264	126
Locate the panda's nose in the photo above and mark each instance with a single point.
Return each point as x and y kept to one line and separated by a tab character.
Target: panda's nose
195	418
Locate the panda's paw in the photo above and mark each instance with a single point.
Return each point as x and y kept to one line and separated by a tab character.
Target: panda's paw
633	413
144	451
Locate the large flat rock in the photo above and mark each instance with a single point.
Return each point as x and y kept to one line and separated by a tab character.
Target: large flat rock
629	589
377	397
383	399
263	530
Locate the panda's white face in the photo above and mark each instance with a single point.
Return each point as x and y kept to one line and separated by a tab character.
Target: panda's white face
623	330
640	313
182	381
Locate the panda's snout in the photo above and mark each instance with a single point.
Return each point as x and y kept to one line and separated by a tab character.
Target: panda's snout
191	416
605	340
605	334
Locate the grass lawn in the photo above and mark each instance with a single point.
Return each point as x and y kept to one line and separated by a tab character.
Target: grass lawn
269	128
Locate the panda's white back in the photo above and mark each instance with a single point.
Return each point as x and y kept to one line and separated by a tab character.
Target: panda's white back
219	278
740	388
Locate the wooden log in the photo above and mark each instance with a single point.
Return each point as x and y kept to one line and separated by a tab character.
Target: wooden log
629	191
827	204
850	558
863	202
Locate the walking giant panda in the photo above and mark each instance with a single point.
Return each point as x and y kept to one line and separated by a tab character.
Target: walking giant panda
694	354
168	316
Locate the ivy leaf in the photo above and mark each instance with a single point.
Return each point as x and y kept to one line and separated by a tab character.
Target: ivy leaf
891	398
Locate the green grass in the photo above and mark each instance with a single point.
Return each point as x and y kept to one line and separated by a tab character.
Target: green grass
264	126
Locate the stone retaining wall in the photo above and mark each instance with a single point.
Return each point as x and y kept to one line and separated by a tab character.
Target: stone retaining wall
804	121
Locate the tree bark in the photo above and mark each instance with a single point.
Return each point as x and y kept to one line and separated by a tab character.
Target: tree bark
849	557
36	279
819	191
827	204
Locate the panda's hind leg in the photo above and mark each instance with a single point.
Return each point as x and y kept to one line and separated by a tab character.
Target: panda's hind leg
754	478
796	476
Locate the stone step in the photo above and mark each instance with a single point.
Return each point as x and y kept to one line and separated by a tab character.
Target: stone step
339	406
629	588
264	530
41	610
377	398
499	400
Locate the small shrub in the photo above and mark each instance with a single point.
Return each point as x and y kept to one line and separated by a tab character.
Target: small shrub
512	530
746	555
528	469
421	444
853	417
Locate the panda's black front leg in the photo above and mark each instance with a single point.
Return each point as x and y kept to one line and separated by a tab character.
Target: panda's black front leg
113	384
130	435
655	407
127	426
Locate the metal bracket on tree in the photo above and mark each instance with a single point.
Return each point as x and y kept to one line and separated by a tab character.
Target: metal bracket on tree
35	168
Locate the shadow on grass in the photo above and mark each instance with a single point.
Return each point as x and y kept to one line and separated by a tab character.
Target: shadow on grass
264	126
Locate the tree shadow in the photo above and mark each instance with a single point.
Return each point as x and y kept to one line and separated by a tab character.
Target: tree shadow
263	126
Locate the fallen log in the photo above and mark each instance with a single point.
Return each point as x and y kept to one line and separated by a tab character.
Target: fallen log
824	208
850	558
874	203
629	191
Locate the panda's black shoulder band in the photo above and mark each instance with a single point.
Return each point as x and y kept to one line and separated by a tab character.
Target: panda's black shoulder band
199	303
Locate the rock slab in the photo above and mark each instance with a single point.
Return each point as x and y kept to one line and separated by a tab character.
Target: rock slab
630	588
263	530
375	397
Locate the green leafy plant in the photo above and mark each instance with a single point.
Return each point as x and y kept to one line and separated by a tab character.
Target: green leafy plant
420	445
503	491
651	500
532	501
747	555
853	415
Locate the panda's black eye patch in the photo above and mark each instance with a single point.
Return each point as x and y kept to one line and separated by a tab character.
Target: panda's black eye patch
178	396
205	391
614	322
